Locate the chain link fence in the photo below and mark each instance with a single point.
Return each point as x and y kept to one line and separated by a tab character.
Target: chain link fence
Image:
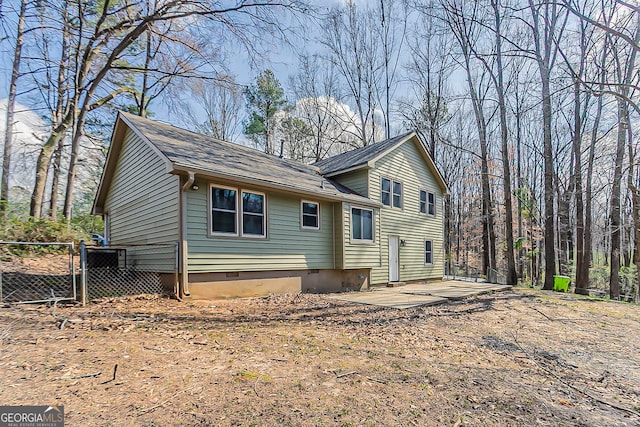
37	272
51	272
115	271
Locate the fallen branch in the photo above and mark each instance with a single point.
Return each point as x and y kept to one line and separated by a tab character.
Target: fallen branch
377	380
255	386
568	384
346	374
115	369
77	377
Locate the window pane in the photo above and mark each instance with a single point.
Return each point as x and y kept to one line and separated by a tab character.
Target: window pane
428	252
367	225
397	195
223	198
252	224
432	204
310	208
310	221
397	188
252	202
386	192
423	196
356	223
224	222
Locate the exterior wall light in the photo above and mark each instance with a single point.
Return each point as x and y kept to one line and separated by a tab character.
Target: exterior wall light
195	187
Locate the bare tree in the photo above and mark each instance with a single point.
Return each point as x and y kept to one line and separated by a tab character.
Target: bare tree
11	102
463	24
354	52
547	25
393	16
625	72
113	29
316	89
428	69
221	102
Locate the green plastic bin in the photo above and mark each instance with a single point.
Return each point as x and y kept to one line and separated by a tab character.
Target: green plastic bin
561	283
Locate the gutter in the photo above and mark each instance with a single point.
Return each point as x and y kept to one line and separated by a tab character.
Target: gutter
308	192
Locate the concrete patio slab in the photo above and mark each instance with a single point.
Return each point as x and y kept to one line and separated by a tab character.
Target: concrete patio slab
420	294
389	299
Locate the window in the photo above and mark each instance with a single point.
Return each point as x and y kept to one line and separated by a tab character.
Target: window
427	203
431	207
397	195
252	214
223	211
233	216
428	252
386	192
391	193
310	215
362	224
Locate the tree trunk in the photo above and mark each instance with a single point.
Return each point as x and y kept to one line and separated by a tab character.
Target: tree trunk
549	214
43	162
55	180
615	220
544	27
635	204
512	277
73	164
11	101
582	267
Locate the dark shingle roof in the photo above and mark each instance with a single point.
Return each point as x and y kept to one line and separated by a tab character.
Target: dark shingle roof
207	155
357	157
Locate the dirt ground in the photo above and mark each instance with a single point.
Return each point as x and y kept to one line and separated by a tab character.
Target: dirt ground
518	358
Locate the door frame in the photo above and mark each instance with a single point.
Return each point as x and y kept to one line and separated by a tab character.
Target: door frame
396	241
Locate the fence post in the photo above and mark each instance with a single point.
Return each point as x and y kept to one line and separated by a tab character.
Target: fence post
83	273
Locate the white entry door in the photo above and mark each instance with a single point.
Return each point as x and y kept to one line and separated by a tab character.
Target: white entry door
394	265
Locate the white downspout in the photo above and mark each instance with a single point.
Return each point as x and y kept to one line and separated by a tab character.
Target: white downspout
184	278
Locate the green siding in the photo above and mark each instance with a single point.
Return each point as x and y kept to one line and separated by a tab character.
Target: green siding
356	181
287	246
358	254
142	204
406	164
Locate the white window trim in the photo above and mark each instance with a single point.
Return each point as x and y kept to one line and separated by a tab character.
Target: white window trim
373	226
426	201
424	252
239	213
210	196
382	178
264	215
391	185
306	227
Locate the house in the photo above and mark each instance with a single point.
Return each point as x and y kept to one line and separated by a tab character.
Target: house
249	223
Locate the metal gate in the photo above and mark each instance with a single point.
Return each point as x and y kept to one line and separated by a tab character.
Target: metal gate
37	272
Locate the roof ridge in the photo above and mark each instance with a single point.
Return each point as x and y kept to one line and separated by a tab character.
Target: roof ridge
229	144
346	160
